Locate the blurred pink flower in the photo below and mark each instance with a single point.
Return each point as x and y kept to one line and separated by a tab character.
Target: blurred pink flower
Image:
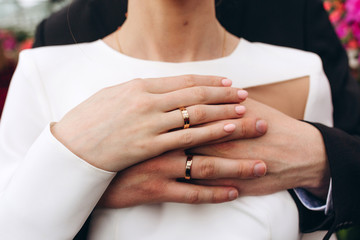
342	29
327	5
352	44
356	31
352	11
345	16
335	16
27	44
7	40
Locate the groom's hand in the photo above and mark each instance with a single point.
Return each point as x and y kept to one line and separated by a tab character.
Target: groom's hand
157	180
293	151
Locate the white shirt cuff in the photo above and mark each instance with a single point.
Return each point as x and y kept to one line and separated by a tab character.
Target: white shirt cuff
313	203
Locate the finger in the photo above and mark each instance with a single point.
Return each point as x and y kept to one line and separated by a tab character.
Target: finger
169	84
208	167
246	128
253	187
200	95
200	114
189	193
186	138
249	127
172	164
241	144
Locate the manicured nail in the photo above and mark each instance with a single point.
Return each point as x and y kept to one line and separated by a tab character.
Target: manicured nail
233	194
226	82
242	94
229	127
261	126
260	170
240	109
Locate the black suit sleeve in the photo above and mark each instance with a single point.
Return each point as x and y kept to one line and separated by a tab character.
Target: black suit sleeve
344	158
342	146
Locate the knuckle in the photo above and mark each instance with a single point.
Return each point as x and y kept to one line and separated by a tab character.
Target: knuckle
143	146
161	145
152	167
212	197
200	114
228	111
193	196
215	81
134	86
212	133
241	128
207	168
200	93
189	80
155	189
230	92
187	138
224	147
136	83
218	197
240	171
145	102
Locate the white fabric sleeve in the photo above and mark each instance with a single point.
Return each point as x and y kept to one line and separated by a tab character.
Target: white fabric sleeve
46	192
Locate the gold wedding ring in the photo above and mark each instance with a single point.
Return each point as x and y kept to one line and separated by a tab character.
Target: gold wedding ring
186	117
188	165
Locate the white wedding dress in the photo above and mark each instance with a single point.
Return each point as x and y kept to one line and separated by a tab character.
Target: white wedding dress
60	78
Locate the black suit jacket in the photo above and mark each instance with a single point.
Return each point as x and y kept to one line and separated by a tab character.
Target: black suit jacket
301	24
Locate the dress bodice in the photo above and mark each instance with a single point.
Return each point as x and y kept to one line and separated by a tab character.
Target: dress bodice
50	81
273	216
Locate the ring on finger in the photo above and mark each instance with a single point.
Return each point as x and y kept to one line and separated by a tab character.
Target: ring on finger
188	165
186	117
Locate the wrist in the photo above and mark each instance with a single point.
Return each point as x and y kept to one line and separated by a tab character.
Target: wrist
318	180
321	189
78	145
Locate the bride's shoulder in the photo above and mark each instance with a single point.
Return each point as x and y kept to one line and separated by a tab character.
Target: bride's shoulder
280	53
58	54
51	62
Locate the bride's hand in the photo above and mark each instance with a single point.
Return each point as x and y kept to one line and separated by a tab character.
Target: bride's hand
122	125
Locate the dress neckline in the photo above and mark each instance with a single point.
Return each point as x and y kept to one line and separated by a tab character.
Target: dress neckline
120	56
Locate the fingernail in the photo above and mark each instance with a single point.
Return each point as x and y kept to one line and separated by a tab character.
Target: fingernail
233	194
229	127
260	169
242	94
226	82
261	126
240	109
